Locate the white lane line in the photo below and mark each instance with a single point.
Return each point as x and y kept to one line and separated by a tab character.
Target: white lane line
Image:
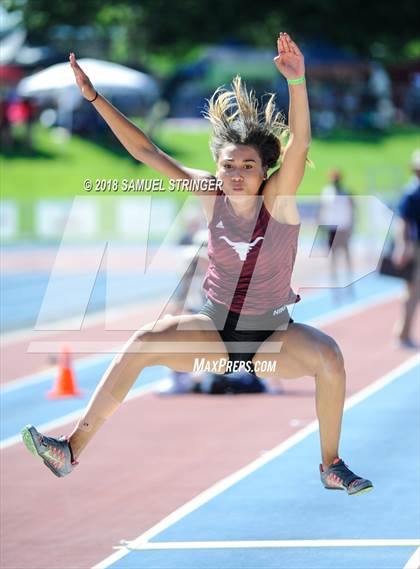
414	561
378	384
49	373
240	474
329	318
278	544
70	417
355	308
73	324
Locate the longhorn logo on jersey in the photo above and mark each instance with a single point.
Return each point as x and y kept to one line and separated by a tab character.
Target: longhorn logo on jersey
241	247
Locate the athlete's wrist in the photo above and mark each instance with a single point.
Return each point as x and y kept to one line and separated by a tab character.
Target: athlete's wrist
94	98
298	81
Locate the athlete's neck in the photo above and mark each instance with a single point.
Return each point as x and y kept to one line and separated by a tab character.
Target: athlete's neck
244	207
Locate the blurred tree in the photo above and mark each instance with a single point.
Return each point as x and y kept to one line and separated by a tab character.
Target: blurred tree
152	26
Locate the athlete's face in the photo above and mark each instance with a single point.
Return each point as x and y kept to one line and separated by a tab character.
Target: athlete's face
240	169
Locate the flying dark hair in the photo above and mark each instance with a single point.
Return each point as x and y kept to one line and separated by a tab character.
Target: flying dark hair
236	117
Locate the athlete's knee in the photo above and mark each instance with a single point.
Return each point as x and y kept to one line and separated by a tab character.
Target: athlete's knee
264	365
143	336
168	337
147	339
330	356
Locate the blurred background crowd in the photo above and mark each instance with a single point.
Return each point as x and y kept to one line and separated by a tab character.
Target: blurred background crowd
368	78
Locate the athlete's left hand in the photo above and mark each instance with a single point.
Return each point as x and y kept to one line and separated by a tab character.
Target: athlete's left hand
290	61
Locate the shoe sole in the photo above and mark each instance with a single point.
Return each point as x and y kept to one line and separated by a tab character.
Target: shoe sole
362	491
29	442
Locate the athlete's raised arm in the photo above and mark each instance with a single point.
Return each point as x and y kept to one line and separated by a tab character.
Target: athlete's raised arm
290	62
131	137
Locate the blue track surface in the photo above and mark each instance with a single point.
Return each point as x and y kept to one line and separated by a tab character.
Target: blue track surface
30	405
21	295
284	500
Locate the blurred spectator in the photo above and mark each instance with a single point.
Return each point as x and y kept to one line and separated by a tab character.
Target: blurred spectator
337	214
379	82
412	99
350	105
380	89
22	111
406	249
6	139
30	113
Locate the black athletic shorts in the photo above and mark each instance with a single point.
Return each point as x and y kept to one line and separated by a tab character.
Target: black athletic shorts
243	334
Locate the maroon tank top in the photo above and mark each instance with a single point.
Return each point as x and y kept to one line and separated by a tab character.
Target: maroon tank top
250	260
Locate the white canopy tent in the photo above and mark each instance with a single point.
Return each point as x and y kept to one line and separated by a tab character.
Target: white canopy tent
111	79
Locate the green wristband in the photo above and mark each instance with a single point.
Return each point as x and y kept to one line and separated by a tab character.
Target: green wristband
296	81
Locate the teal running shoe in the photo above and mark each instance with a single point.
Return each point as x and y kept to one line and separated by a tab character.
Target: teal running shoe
56	453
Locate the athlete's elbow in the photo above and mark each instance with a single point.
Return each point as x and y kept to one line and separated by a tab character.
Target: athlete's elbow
142	154
305	138
302	148
305	142
301	141
135	154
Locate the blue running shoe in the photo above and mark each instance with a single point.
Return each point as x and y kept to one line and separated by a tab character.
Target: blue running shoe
339	477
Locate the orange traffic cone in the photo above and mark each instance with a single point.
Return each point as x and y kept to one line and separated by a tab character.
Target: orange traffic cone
65	384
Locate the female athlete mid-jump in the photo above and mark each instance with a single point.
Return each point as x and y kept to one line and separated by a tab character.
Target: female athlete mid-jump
253	224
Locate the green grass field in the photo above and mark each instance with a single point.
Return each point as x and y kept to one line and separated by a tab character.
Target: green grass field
57	167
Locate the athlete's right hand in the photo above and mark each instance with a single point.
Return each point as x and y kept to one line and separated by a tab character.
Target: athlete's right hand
82	80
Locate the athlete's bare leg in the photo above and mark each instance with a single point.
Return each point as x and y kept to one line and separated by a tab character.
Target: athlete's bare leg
334	265
173	341
348	258
308	351
404	325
